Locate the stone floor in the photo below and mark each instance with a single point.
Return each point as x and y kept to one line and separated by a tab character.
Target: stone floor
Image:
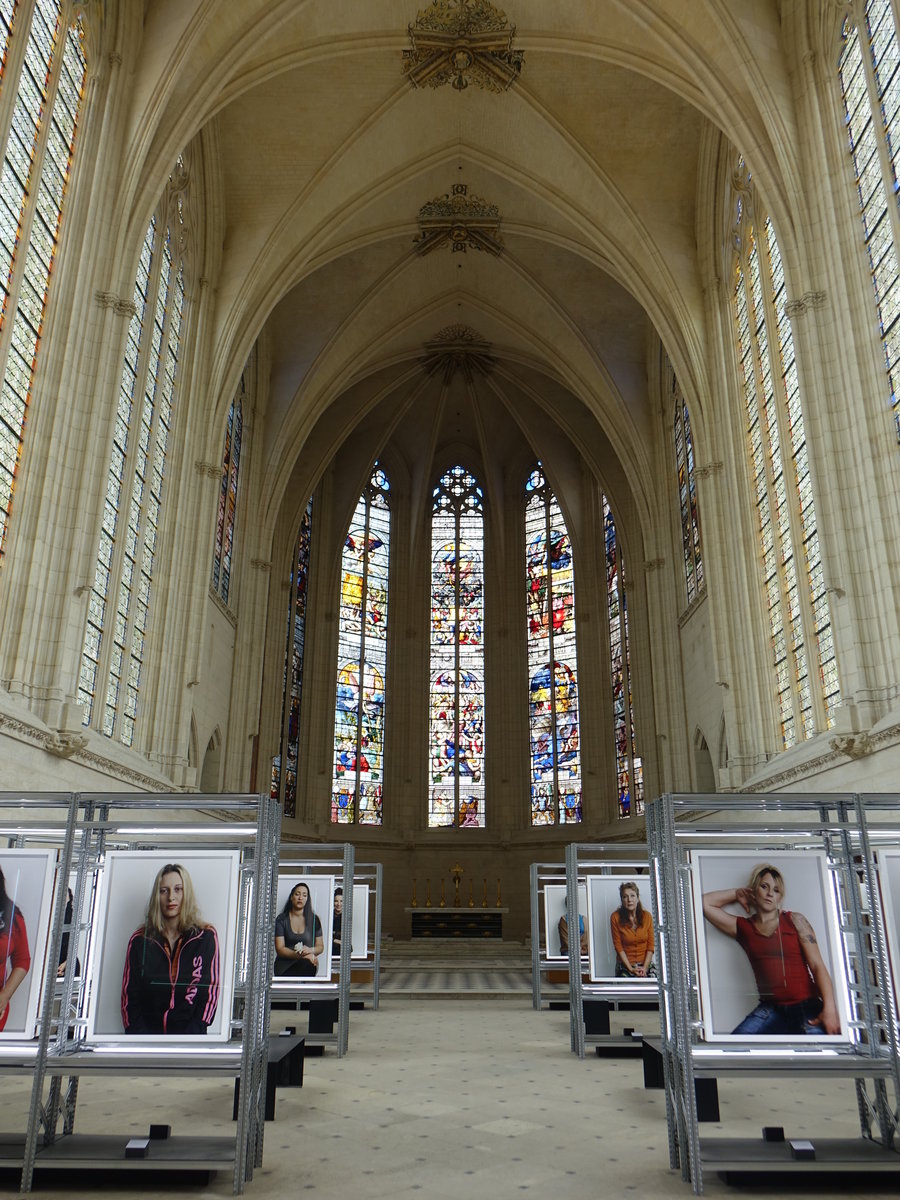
476	1098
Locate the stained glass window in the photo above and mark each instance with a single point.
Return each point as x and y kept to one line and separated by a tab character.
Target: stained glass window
362	660
119	603
629	766
285	762
790	560
552	660
869	67
33	181
231	465
687	492
456	724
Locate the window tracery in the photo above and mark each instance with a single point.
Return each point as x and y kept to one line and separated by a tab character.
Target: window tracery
629	765
37	162
552	659
119	603
790	560
228	493
456	694
869	71
358	774
286	761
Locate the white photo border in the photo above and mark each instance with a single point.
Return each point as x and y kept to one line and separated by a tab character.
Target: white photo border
34	898
554	908
125	880
604	901
889	888
321	890
720	957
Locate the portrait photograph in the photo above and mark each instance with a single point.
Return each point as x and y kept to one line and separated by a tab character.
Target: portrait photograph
621	934
889	886
556	924
26	893
162	958
304	929
359	940
769	962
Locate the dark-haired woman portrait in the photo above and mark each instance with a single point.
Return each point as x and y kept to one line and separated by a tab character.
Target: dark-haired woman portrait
631	930
15	955
171	983
298	935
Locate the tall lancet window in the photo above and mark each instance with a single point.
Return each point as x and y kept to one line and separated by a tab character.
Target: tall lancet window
285	762
231	465
687	492
44	64
356	786
804	670
112	660
552	661
629	767
869	67
456	726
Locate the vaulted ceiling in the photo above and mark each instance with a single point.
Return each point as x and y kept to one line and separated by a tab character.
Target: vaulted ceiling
326	153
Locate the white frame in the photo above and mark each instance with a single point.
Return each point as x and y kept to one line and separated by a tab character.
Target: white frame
321	891
554	908
719	957
359	938
125	880
34	897
604	900
889	887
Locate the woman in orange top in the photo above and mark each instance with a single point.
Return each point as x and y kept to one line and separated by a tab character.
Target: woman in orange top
631	930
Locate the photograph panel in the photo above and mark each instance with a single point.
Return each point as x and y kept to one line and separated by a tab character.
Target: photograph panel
163	958
303	932
26	893
769	961
556	920
622	936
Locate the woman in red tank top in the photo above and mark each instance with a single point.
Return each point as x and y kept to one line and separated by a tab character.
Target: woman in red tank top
796	995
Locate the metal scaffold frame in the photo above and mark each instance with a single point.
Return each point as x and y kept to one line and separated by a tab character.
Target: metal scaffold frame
82	828
841	829
324	858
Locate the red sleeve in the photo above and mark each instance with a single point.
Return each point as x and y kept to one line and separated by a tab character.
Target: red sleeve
19	954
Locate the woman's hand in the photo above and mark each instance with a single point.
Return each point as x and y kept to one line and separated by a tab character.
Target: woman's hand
744	898
638	970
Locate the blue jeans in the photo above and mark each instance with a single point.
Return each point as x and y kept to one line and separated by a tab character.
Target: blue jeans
782	1018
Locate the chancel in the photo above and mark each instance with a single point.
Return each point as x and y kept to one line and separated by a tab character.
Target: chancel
460	424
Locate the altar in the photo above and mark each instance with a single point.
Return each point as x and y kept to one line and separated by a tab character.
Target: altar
457	922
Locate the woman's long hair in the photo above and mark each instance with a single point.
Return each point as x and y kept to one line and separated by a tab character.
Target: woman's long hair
309	913
7	908
188	918
622	912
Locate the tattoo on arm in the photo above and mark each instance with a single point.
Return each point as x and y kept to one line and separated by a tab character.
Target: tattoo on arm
804	929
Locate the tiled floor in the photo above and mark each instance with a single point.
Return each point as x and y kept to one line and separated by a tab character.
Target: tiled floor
464	1099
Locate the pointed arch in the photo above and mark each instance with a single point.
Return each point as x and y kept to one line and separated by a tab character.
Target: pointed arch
552	659
358	771
456	694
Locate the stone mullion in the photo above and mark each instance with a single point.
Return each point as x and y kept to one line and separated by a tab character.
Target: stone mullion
854	444
724	494
795	526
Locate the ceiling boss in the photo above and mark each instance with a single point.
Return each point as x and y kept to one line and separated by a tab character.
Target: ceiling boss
462	42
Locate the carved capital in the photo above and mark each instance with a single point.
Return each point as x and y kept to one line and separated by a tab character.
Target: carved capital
210	470
708	470
64	744
654	564
809	300
261	564
122	308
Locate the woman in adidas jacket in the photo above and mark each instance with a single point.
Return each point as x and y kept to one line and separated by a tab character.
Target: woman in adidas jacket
171	980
